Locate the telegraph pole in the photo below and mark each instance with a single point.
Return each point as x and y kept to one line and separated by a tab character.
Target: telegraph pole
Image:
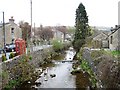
34	30
31	47
4	34
31	18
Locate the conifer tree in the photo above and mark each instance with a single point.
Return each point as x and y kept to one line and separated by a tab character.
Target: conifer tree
81	25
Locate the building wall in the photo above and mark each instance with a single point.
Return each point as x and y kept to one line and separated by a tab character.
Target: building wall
100	41
1	37
119	39
114	44
17	33
58	35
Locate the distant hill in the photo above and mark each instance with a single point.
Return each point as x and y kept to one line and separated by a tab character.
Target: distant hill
103	28
97	30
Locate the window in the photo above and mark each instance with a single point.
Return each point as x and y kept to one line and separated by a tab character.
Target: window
12	30
12	40
111	39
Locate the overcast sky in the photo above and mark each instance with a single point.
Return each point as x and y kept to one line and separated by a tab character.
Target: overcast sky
55	12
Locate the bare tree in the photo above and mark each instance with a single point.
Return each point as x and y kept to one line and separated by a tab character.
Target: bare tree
26	30
46	33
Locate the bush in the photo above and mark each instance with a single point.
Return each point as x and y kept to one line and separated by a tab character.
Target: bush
57	45
11	55
4	58
30	57
85	67
77	44
96	54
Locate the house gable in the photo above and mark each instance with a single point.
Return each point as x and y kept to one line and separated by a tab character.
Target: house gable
114	38
100	37
12	32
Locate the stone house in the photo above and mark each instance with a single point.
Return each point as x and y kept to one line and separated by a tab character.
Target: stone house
58	35
101	41
114	38
68	37
12	32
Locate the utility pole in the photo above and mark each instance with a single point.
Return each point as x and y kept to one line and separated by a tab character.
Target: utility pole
31	47
31	19
4	34
34	30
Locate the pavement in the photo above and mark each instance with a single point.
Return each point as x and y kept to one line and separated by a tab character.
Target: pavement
7	54
35	48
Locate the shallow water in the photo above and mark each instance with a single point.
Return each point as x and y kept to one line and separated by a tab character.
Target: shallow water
62	70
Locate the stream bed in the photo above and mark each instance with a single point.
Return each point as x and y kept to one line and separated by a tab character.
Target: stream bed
58	74
61	72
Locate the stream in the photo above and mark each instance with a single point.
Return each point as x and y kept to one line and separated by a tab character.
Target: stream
58	75
61	71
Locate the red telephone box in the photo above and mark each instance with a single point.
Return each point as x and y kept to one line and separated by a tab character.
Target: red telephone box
20	46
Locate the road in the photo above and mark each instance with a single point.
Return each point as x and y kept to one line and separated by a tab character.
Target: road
35	48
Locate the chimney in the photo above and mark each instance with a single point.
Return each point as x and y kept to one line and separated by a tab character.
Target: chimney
111	29
11	20
116	26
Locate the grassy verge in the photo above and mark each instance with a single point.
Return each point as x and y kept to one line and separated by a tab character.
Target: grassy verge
85	67
112	53
115	52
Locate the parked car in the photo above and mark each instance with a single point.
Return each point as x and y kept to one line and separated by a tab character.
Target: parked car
1	50
10	47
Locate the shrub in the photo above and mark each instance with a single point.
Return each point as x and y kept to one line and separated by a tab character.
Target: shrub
77	44
96	54
4	58
79	54
57	45
11	55
85	66
30	57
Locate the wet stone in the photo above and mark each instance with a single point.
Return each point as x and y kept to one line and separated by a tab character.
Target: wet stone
29	82
38	83
52	75
46	80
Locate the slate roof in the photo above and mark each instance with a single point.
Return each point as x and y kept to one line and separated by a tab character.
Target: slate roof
100	37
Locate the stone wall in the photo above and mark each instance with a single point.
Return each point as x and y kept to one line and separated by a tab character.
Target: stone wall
105	67
38	57
13	67
113	40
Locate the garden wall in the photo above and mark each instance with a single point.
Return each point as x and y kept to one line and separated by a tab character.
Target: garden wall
13	68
